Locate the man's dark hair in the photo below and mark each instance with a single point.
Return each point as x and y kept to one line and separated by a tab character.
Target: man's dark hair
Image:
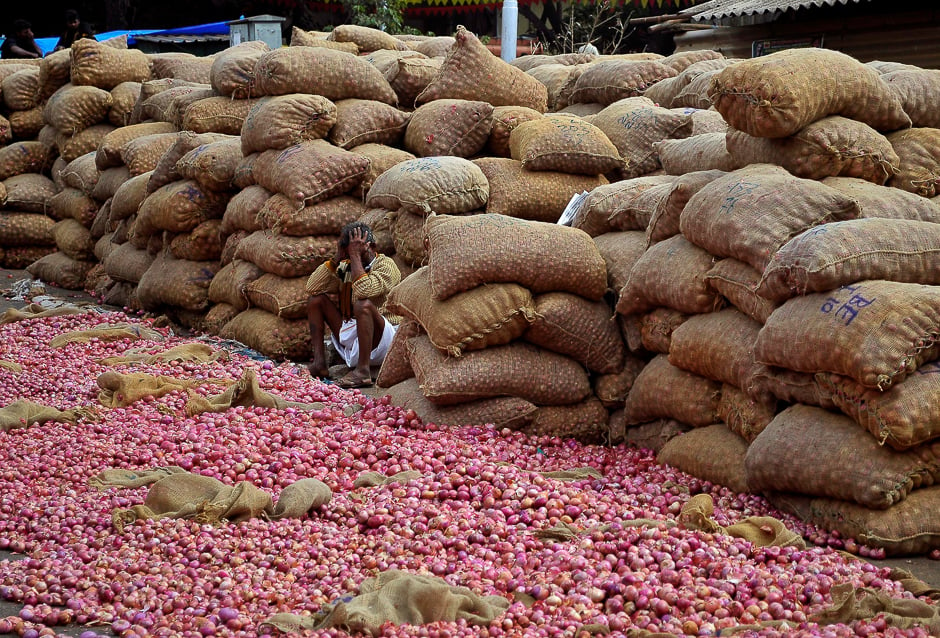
71	15
21	25
347	231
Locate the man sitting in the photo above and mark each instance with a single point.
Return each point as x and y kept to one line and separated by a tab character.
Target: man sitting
22	44
362	279
75	29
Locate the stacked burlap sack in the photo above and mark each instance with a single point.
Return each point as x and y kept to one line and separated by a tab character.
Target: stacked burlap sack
790	308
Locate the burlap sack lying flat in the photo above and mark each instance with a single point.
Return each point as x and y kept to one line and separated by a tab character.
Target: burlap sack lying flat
444	185
885	202
244	392
120	390
21	414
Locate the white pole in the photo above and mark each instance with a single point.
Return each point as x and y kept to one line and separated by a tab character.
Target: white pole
510	30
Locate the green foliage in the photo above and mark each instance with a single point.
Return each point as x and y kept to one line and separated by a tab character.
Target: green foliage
386	15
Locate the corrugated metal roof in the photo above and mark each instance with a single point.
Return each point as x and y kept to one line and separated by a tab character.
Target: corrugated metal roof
759	10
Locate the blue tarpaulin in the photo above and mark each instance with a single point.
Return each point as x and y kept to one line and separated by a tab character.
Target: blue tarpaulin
212	28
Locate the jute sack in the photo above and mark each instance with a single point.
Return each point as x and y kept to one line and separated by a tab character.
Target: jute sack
612	389
61	270
20	257
176	282
609	202
216	115
705	152
695	93
71	203
666	92
19	89
58	165
126	263
737	282
919	150
25	229
587	422
564	143
788	386
831	147
471	72
657	326
336	75
503	412
128	197
310	172
684	59
286	256
228	285
505	120
536	195
716	345
29	192
242	210
555	77
150	88
410	76
745	415
901	417
233	70
664	221
381	158
583	330
364	121
217	316
662	390
285	120
907	529
179	207
528	62
181	66
634	125
465	252
434	47
301	38
443	185
73	239
842	253
230	247
620	251
25	125
142	154
23	157
714	454
284	297
170	105
280	215
449	127
73	108
648	436
96	64
841	331
916	89
366	38
212	165
750	213
203	243
109	181
408	237
884	201
123	98
670	274
584	111
779	94
269	334
883	67
104	246
517	369
871	475
607	81
6	133
166	170
705	121
485	316
81	174
396	366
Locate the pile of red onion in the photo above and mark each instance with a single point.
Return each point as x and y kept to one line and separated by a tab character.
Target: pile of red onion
470	518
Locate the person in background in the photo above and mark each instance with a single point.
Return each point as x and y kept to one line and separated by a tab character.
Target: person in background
362	279
21	44
75	29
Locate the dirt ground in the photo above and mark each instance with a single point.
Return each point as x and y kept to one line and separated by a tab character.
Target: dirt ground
922	567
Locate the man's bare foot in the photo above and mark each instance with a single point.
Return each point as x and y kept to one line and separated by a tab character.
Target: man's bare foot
319	372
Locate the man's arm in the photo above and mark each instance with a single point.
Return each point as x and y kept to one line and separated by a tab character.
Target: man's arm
323	279
20	51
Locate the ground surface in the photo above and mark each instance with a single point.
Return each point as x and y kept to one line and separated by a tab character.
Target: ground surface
923	568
